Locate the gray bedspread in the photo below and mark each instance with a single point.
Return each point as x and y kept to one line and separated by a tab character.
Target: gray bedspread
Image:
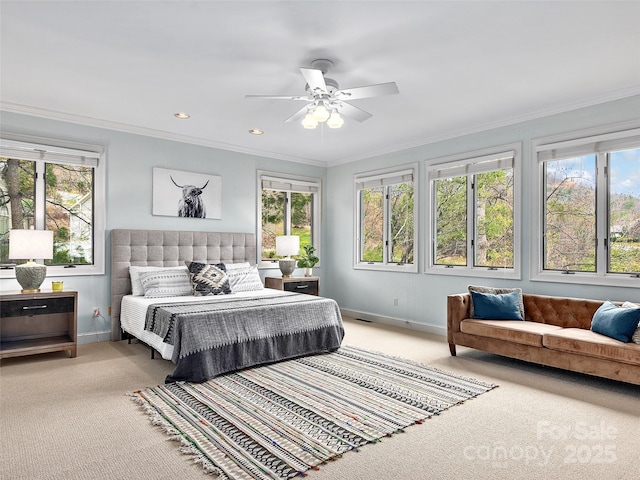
221	335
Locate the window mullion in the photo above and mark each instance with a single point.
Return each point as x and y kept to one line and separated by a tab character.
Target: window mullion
603	221
287	214
471	220
386	222
40	201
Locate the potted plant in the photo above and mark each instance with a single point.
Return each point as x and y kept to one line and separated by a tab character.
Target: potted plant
307	259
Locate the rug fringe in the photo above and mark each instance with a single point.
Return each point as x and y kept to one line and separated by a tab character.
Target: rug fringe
187	448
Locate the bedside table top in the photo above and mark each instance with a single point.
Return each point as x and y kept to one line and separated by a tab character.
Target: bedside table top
17	294
295	279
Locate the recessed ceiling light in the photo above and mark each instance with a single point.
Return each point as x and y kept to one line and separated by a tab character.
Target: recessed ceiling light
255	131
181	115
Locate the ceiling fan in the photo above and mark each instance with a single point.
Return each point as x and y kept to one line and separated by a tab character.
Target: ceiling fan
326	102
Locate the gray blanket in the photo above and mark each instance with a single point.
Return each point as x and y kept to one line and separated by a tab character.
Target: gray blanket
226	334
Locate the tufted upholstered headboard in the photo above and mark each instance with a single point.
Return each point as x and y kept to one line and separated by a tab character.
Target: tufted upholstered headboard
168	248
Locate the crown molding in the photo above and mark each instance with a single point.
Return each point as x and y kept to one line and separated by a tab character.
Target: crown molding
126	128
564	108
149	132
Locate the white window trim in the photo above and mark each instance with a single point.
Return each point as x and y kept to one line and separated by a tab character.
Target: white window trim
379	177
574	139
58	151
465	160
302	182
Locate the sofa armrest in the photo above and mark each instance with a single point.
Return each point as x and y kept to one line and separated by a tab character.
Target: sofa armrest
457	310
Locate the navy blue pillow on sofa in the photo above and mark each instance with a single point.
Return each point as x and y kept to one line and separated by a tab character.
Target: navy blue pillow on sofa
615	322
502	306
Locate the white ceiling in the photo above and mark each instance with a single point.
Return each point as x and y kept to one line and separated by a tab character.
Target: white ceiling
461	67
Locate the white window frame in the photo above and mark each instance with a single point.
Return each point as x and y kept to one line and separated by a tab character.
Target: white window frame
471	163
614	137
63	152
291	183
384	177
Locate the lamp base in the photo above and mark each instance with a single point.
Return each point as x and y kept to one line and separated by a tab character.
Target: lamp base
30	276
287	266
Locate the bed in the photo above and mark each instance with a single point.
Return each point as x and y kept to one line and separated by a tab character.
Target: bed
209	335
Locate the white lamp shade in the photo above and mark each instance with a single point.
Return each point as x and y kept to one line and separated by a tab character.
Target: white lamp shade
287	245
320	113
309	122
30	244
335	120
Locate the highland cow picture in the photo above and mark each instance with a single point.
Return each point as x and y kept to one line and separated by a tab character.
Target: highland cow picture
186	194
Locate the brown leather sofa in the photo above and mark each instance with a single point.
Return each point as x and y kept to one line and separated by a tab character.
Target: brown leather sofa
556	332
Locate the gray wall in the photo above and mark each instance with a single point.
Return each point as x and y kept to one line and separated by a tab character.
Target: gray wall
367	294
422	297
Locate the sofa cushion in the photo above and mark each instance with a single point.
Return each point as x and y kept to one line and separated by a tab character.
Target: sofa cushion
501	306
586	342
616	322
562	311
527	333
495	291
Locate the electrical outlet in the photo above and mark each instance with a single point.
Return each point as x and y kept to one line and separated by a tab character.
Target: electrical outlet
96	312
395	301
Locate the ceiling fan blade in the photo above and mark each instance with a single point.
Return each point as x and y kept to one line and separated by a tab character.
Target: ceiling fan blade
351	111
298	115
315	80
367	91
281	97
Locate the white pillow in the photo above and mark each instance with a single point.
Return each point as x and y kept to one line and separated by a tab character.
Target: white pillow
134	273
635	338
236	266
166	283
244	279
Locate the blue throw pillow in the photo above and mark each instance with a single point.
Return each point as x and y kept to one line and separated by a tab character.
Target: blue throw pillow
502	306
615	322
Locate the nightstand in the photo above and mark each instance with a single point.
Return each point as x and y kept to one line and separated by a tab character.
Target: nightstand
42	322
308	285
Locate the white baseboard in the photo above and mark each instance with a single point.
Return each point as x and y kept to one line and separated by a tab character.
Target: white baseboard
396	322
93	337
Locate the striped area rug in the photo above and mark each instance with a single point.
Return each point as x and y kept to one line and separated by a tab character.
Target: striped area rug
278	421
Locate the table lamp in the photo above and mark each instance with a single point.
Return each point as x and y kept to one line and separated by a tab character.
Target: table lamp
30	244
287	245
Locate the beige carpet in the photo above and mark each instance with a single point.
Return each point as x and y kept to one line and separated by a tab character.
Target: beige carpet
68	418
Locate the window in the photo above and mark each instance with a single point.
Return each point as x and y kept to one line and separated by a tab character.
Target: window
54	186
288	205
385	220
589	220
473	224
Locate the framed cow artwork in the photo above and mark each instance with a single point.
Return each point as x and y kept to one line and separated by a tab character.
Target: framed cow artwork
186	194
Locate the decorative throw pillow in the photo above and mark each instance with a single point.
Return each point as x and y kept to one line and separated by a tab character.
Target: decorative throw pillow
615	322
495	291
244	279
135	271
166	283
496	306
635	338
208	279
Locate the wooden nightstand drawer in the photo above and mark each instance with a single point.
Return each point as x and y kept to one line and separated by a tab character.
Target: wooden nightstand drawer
37	306
307	285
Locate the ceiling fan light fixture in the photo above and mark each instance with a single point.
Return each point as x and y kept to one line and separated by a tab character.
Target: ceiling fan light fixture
335	120
309	122
320	113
